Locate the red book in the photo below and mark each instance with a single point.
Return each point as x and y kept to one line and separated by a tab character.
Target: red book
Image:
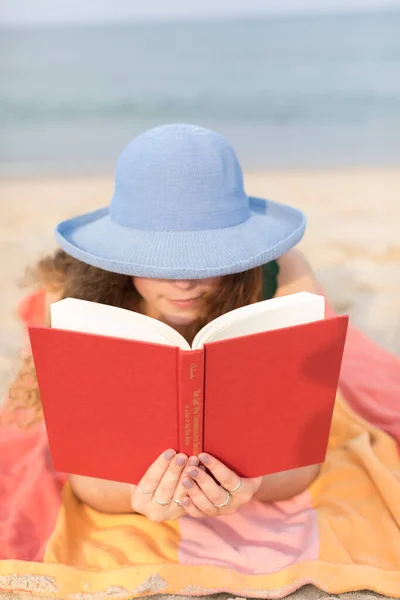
256	390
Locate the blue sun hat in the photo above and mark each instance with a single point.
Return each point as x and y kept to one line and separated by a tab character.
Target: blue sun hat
180	211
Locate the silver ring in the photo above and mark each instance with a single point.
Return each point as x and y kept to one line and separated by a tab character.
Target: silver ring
239	485
144	491
177	501
224	503
163	502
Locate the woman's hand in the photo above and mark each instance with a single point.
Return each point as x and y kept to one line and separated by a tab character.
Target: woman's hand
160	487
209	498
174	486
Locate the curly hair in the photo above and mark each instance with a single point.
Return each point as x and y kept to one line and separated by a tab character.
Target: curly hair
66	277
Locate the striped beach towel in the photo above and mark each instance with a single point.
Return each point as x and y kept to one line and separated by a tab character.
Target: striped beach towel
341	534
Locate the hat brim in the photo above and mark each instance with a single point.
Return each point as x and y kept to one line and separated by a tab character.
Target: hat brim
271	230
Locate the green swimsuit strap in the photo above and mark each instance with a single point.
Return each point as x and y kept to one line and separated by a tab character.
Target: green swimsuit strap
270	279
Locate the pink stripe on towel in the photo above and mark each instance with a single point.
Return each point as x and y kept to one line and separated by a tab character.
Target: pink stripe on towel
259	538
372	393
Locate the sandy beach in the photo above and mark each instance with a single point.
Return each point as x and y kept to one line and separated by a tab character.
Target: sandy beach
352	240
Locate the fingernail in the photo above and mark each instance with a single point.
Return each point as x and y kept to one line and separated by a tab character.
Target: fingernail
193	461
204	458
186	501
169	454
187	483
193	473
180	460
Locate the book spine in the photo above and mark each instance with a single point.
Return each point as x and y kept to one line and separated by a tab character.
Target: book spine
191	401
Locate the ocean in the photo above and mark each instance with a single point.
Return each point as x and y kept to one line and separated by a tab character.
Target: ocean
304	91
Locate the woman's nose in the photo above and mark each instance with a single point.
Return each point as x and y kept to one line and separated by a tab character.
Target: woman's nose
184	284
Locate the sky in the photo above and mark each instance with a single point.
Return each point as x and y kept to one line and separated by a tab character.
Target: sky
48	12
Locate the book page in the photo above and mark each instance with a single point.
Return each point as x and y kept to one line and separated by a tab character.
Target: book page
91	317
275	313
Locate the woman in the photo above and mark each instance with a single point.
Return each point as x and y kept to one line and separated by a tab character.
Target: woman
185	185
183	243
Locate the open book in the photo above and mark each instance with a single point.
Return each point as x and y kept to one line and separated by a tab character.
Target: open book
256	389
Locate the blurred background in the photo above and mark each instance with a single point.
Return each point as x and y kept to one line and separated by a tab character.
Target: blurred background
307	91
289	87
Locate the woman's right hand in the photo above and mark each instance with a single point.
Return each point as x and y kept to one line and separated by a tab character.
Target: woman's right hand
162	482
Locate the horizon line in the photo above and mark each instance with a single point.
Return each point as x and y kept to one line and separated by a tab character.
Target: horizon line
272	16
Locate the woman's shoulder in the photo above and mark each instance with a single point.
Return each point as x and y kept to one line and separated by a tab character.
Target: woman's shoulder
296	274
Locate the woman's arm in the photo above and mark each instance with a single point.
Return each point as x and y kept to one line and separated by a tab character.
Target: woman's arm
104	496
112	497
285	485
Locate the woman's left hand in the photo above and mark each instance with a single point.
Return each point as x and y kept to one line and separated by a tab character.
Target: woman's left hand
206	497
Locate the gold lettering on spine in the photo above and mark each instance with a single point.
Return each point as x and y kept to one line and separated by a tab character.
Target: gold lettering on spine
192	371
188	429
196	421
193	409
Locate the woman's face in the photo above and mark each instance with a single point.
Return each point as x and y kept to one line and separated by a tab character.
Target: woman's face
177	301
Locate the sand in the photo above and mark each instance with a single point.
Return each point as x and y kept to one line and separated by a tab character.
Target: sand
352	242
